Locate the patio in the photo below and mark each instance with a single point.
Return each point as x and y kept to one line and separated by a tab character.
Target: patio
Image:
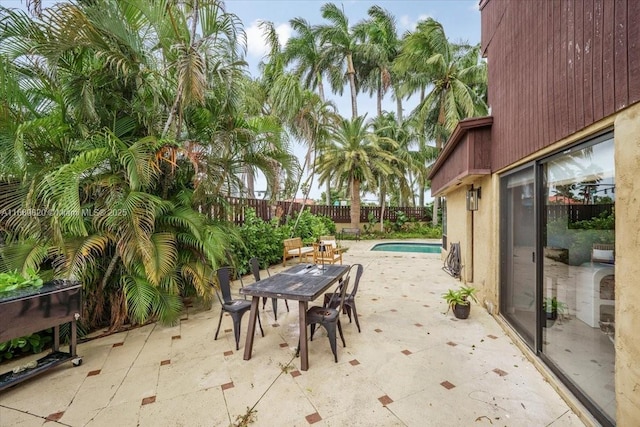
412	365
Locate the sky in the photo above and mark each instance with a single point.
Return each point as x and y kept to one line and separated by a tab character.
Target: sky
460	19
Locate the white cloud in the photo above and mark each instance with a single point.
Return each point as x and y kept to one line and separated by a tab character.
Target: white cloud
256	43
409	23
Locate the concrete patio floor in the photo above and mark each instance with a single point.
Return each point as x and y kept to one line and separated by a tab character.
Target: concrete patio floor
412	365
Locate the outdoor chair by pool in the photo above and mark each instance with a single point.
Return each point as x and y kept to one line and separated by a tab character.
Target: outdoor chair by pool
254	263
326	254
603	253
350	297
294	247
329	240
235	307
329	318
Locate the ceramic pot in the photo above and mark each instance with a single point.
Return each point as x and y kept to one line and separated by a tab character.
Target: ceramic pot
461	311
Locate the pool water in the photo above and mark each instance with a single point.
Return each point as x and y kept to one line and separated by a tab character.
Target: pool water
424	248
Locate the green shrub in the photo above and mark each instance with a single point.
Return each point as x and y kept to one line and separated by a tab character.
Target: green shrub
309	226
259	238
264	239
578	237
33	343
401	220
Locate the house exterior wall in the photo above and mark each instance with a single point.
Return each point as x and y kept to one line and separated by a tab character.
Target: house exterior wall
480	246
458	223
467	154
485	241
477	235
627	375
555	67
560	72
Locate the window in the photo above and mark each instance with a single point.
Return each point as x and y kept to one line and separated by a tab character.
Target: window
578	280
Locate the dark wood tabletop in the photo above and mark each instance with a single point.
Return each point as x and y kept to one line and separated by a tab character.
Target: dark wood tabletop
303	282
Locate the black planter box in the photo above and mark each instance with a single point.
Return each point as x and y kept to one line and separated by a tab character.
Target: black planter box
28	311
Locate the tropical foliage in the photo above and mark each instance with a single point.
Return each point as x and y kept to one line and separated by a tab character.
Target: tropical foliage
13	281
263	239
124	126
120	123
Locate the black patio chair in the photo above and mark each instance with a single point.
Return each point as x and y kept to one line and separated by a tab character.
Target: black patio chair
350	297
235	307
329	318
254	263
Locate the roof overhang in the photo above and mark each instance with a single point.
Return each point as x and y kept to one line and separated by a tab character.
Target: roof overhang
466	155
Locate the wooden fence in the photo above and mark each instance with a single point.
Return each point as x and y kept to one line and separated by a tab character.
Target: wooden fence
234	210
574	213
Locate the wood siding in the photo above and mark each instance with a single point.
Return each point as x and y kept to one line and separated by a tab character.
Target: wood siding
466	155
555	67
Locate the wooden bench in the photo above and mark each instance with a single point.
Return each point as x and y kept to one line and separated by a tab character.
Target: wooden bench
293	248
353	231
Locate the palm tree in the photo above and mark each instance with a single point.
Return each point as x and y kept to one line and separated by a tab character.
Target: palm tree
282	95
311	123
355	156
455	75
339	45
88	95
395	139
310	65
303	50
199	52
379	46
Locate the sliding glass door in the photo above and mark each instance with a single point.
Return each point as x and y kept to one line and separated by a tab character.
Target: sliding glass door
557	271
518	239
578	269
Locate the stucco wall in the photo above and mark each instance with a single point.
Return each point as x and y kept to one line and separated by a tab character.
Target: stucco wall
627	376
481	267
458	225
485	244
477	234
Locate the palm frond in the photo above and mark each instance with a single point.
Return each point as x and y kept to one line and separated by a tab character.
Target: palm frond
24	256
163	257
167	306
82	254
140	296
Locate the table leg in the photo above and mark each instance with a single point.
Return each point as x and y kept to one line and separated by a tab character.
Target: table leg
73	342
56	338
304	352
251	331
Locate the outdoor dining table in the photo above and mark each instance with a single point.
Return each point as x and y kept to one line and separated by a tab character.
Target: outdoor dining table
303	283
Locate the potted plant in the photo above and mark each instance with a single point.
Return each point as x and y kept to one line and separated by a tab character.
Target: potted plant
459	301
552	307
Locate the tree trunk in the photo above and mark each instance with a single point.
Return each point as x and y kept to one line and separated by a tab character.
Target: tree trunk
436	206
379	100
383	197
327	197
399	111
355	203
275	190
320	87
351	72
439	144
250	183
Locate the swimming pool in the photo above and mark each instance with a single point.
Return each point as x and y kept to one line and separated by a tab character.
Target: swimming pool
424	248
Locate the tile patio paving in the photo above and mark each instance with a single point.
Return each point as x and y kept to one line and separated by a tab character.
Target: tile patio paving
412	365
